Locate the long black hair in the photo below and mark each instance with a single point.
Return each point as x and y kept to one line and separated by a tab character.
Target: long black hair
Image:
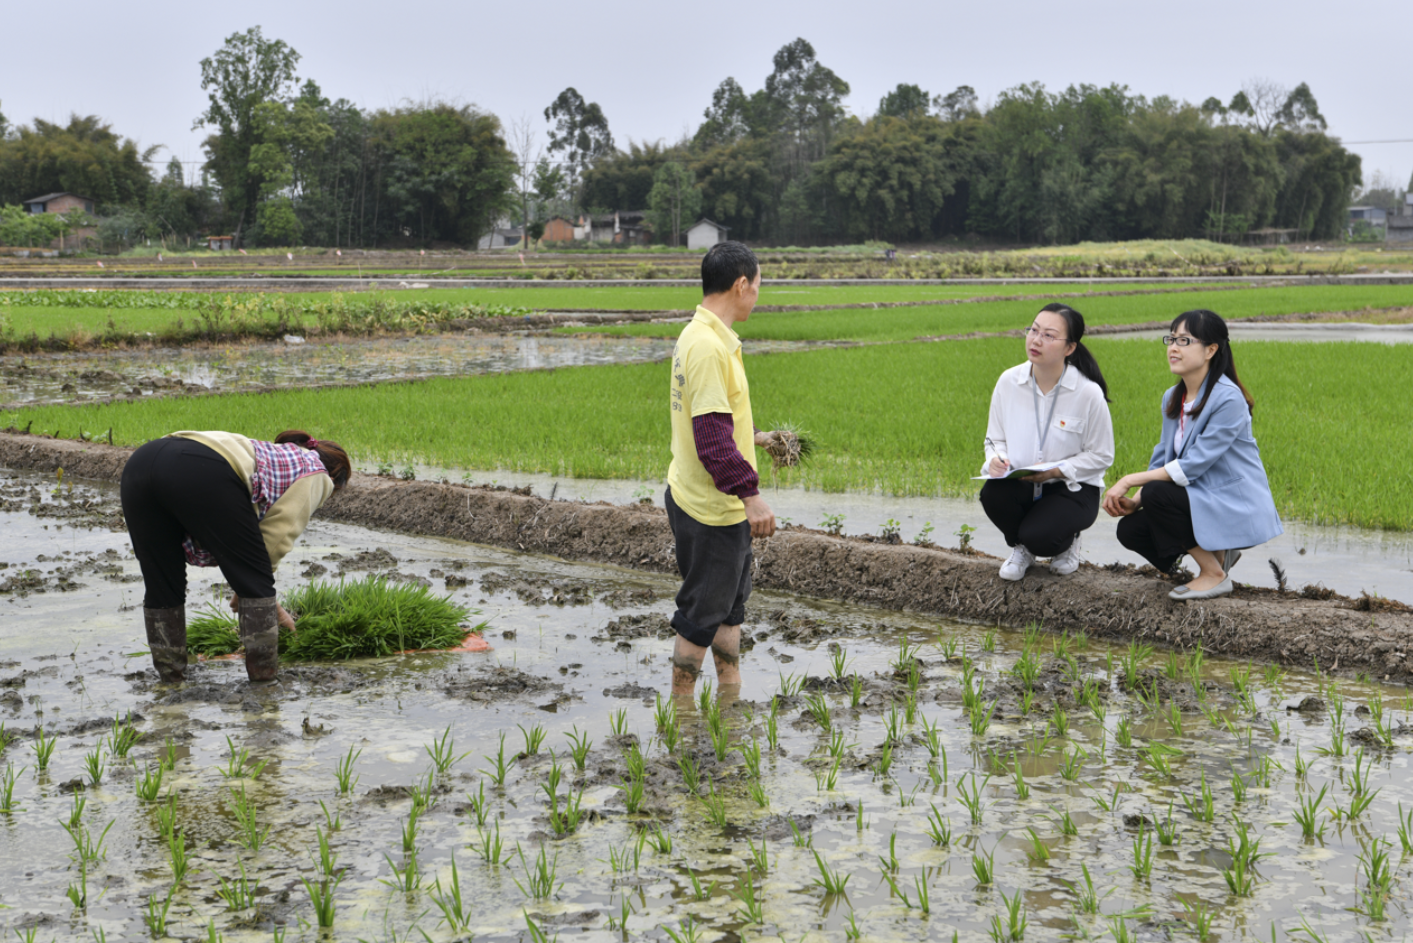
1081	359
1209	328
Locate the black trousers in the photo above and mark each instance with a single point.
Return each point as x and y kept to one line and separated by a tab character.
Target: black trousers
715	563
175	487
1046	527
1160	531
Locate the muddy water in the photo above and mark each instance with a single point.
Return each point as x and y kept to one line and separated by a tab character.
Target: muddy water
1349	560
88	375
574	644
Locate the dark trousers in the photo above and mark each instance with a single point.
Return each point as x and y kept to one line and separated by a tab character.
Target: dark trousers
175	487
1046	527
715	563
1161	530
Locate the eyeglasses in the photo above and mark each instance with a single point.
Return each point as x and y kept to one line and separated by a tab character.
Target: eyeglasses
1046	336
1182	340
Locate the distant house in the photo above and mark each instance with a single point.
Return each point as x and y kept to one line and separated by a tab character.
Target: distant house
220	243
560	229
58	203
1373	215
622	227
703	234
502	237
1400	224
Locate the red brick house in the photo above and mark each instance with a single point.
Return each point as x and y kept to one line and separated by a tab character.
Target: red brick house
64	203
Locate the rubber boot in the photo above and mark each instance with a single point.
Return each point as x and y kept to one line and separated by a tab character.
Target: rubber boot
260	634
166	636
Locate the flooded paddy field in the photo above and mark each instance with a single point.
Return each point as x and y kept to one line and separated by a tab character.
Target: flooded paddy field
954	774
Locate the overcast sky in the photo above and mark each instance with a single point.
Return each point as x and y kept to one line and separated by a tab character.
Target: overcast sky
653	66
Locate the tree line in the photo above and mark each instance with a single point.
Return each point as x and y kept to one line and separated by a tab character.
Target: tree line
784	164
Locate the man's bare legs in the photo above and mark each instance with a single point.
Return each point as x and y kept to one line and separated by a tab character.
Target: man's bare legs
687	660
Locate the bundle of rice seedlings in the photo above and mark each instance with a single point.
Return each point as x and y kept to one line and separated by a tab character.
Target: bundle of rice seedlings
789	446
364	618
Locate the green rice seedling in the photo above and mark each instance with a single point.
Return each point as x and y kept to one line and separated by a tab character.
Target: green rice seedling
800	838
251	835
751	911
906	800
334	820
1274	675
1072	670
498	772
155	914
633	795
1060	645
885	760
756	790
1201	916
617	723
1013	928
1358	804
1405	830
580	744
407	878
1072	765
455	909
1132	662
124	736
1060	722
1018	777
1087	897
1038	745
1027	702
149	786
77	893
489	846
932	739
1245	854
443	753
535	737
1038	850
837	746
343	772
924	900
914	676
168	756
1238	787
1264	772
1378	880
893	725
983	865
1359	775
720	738
981	719
790	685
971	798
699	892
93	762
660	841
86	848
328	858
1142	866
1123	732
665	722
890	863
634	764
478	804
321	895
832	882
7	788
948	648
1172	666
706	703
238	893
938	828
1202	805
907	654
43	749
1309	932
1167	829
423	792
839	662
567	822
772	731
988	641
851	929
910	708
540	877
181	863
828	780
1174	718
238	763
1302	766
751	755
409	830
855	691
1063	819
1120	929
688	931
715	806
691	778
760	857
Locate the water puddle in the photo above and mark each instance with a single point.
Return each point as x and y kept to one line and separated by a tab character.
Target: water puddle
869	766
1300	331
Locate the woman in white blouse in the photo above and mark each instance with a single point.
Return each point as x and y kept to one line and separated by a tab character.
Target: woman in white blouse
1050	411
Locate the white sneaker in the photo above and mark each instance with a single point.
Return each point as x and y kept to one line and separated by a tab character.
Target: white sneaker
1067	562
1020	561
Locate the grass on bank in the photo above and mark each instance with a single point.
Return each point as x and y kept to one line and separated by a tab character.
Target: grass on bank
895	324
904	419
366	618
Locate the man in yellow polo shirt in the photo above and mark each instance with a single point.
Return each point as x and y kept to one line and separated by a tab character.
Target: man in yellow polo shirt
713	492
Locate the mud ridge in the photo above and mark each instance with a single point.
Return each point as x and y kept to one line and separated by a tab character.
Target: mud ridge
1113	602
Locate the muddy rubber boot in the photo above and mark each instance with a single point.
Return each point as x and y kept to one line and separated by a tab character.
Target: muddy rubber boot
260	634
166	637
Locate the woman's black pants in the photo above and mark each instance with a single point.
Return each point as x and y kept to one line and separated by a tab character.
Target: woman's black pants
1046	527
1161	530
172	488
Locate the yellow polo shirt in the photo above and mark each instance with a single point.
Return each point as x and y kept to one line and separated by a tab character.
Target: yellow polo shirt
707	377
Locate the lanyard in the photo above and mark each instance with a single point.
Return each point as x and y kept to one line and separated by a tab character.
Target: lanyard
1042	432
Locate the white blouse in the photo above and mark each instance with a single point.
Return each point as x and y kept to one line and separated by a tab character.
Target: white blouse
1081	433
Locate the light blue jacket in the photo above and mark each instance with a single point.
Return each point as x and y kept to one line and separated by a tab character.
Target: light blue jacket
1220	465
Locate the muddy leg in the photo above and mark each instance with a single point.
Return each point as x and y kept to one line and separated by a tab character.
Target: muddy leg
726	650
686	665
260	634
166	637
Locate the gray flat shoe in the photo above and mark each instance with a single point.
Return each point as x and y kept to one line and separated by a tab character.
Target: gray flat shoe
1183	594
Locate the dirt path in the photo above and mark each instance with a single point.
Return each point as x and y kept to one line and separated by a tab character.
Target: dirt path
1343	634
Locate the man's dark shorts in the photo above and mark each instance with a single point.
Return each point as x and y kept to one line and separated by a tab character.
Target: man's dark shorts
715	563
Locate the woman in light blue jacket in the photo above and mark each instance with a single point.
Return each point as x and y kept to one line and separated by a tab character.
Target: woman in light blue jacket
1205	493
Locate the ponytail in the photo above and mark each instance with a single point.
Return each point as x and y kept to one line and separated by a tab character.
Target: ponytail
1208	328
335	459
1081	358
